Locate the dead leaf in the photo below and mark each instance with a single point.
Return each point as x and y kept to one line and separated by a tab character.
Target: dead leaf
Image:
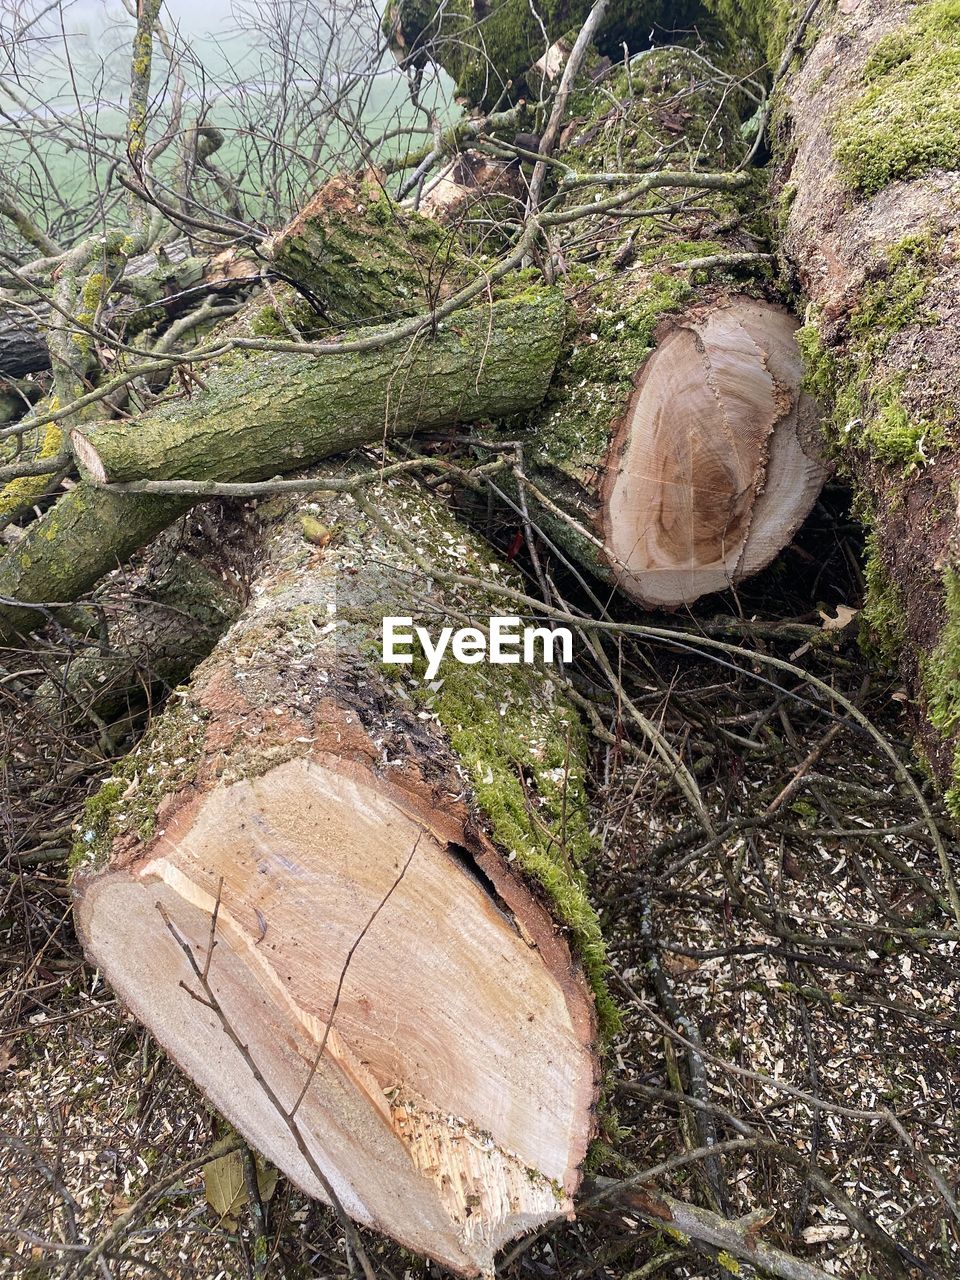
226	1190
844	616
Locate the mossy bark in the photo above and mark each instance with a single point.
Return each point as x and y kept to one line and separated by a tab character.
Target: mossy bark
173	610
85	535
483	47
489	49
865	151
261	413
266	412
363	260
489	760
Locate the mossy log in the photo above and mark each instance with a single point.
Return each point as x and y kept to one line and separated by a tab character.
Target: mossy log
489	49
283	410
261	413
867	148
403	949
362	259
486	47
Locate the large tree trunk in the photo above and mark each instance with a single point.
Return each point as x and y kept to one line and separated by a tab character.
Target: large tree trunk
401	939
867	155
261	413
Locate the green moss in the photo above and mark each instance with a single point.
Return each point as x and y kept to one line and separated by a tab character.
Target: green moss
868	411
895	300
127	803
525	763
294	313
16	496
941	681
907	120
763	23
596	372
785	203
884	622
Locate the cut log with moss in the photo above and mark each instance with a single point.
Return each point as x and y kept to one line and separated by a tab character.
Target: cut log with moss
361	259
403	949
695	469
261	413
676	453
867	146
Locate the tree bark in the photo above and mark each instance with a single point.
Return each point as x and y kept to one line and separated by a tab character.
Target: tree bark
23	348
396	1003
146	634
867	155
261	413
287	410
488	48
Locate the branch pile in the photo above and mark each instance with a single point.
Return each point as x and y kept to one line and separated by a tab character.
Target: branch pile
354	907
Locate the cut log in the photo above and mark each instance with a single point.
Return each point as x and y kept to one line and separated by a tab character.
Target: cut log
362	259
676	452
403	949
710	463
287	410
867	154
261	413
